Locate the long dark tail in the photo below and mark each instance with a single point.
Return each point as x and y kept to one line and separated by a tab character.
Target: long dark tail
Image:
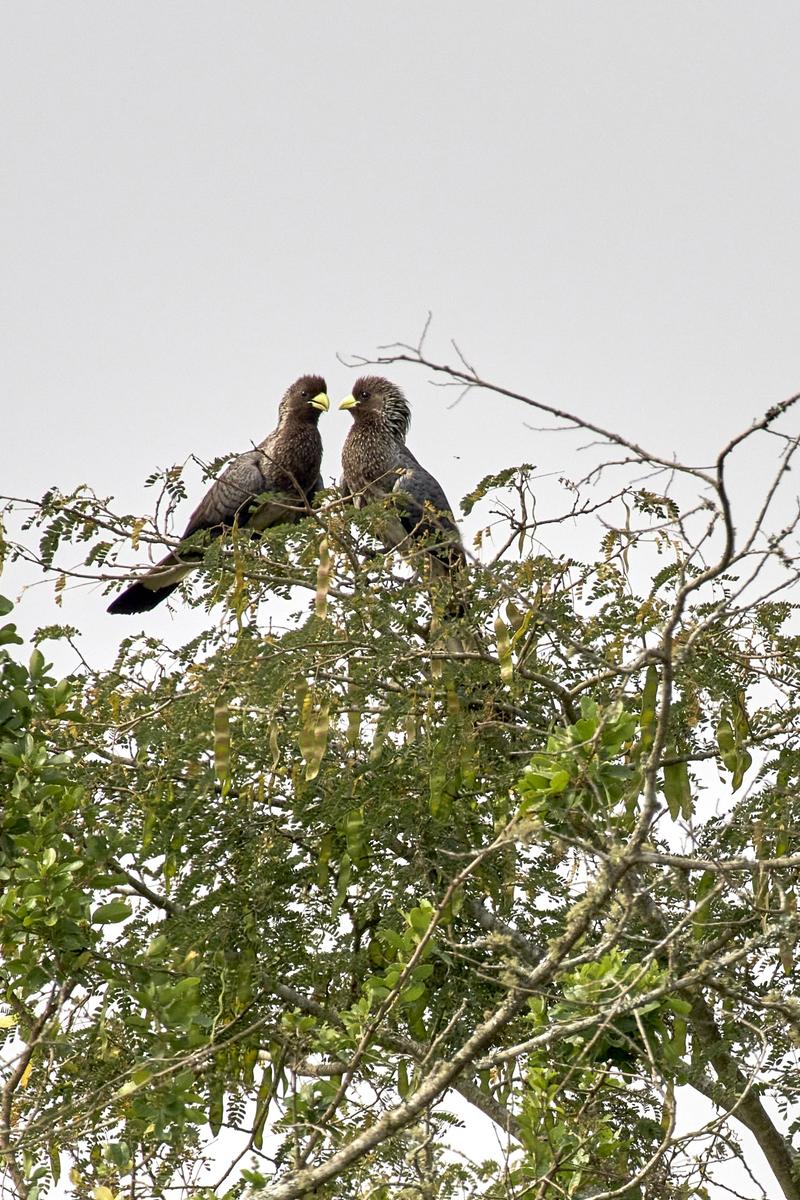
148	592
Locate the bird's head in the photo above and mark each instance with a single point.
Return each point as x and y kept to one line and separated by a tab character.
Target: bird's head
305	399
373	396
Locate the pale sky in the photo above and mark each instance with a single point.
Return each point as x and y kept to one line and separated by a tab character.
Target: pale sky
202	201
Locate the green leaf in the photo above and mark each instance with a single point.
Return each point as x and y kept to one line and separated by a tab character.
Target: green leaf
504	651
36	664
648	712
254	1178
677	790
679	1030
731	736
700	922
325	851
157	946
421	917
55	1161
356	836
313	737
222	739
216	1106
324	572
744	760
262	1106
112	913
559	781
414	991
345	871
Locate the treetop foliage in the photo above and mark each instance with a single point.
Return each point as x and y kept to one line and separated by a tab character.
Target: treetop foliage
279	902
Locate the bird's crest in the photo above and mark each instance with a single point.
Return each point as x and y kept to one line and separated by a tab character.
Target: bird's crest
398	414
394	405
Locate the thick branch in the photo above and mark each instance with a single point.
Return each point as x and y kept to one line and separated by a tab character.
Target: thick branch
490	1107
57	998
397	1118
785	1164
746	1106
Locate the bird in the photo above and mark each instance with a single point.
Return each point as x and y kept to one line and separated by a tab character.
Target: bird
376	462
286	465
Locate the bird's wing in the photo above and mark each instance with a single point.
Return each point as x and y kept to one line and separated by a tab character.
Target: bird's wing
425	509
230	496
425	513
280	468
350	493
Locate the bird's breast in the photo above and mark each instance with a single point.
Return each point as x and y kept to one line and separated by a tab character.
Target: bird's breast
368	462
291	458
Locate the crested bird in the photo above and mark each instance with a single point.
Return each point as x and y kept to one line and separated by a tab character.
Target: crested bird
286	465
376	462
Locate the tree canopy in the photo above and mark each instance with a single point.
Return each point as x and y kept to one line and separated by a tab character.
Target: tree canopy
271	900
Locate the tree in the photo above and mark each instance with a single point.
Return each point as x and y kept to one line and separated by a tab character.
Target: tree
308	885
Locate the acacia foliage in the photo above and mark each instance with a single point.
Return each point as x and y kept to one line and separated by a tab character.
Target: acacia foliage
273	898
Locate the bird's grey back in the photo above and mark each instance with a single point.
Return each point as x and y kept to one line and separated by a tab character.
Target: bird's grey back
275	465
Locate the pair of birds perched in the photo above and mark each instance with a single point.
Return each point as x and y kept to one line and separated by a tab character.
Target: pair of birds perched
276	482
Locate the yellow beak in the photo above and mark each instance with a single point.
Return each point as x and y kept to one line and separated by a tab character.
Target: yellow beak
349	402
321	402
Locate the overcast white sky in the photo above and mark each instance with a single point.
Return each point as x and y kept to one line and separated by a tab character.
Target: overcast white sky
201	201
